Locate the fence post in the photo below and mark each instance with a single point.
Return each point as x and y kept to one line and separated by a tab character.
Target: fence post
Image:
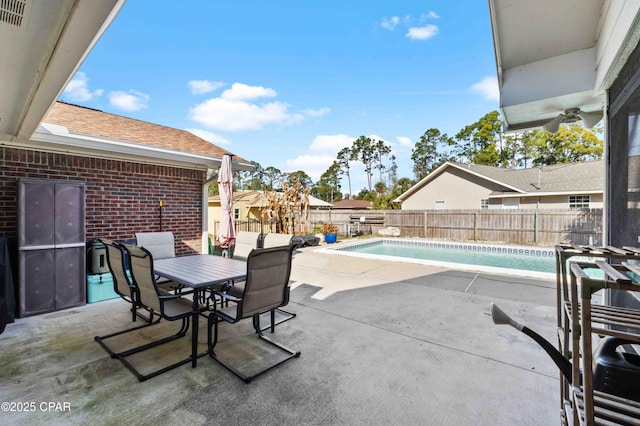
475	226
425	224
535	226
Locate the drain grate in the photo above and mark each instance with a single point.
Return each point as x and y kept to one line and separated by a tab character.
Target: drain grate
12	11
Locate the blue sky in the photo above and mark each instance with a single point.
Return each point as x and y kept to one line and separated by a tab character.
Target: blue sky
289	83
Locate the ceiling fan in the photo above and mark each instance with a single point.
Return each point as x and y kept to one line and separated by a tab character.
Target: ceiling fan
571	115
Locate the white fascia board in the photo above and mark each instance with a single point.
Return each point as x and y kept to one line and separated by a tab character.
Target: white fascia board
545	194
618	36
54	138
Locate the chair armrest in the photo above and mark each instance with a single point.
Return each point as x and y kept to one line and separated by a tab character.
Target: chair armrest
228	297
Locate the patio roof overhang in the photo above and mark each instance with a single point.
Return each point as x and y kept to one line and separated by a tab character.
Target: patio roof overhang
43	44
553	55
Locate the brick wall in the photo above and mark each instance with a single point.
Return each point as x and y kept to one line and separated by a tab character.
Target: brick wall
122	197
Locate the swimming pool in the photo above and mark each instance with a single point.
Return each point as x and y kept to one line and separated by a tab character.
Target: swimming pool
535	262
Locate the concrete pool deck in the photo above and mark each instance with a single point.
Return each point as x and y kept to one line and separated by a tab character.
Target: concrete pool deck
382	342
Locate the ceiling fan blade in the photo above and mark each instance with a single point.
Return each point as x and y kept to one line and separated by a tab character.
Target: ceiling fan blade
590	119
553	125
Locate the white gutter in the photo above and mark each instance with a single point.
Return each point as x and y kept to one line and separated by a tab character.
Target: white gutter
546	194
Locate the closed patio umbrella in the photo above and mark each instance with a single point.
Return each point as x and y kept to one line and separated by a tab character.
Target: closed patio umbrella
227	232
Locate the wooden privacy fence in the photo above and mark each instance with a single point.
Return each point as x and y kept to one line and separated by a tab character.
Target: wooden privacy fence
541	227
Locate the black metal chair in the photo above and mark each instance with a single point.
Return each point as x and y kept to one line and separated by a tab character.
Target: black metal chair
265	289
169	306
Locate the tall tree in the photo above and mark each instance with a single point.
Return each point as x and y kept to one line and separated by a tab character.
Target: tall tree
299	175
477	143
256	177
382	150
344	155
569	144
328	187
364	149
393	171
272	177
428	152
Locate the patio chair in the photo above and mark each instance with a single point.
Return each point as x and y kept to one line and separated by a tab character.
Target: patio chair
275	240
171	307
122	283
266	288
244	243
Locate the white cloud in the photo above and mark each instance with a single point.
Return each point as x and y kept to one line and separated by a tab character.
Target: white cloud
128	101
238	109
244	92
390	23
209	136
316	112
313	165
77	90
404	141
433	15
230	115
330	144
487	87
422	33
198	87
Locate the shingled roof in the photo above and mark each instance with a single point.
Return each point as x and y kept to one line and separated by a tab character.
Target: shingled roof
93	122
586	176
571	177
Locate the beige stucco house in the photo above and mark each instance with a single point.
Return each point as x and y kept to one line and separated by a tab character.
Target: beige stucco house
473	186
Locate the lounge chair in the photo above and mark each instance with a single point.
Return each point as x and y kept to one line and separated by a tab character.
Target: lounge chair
266	288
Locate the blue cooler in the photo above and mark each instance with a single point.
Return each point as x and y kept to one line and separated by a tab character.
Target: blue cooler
100	287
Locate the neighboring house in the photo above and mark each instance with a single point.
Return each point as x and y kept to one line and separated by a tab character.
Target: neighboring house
349	204
473	186
247	205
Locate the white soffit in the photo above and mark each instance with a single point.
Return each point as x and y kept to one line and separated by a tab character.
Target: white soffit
43	42
546	58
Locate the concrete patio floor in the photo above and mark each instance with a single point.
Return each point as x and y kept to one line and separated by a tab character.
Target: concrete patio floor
383	343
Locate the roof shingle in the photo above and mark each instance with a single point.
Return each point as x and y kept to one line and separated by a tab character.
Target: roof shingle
94	122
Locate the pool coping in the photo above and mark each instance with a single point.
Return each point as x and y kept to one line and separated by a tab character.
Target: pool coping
337	249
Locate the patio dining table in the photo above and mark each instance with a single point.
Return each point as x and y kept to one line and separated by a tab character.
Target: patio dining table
199	272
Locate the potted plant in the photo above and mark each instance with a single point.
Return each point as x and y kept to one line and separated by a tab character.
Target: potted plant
330	232
317	231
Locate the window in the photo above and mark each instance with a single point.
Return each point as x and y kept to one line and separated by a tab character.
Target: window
484	204
439	205
236	214
579	201
511	203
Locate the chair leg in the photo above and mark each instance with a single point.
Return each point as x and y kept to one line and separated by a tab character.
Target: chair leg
212	341
286	317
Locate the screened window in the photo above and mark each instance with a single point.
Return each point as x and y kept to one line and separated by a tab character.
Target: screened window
236	214
484	204
579	201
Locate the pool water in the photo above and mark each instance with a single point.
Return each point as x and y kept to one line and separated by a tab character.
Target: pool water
534	259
